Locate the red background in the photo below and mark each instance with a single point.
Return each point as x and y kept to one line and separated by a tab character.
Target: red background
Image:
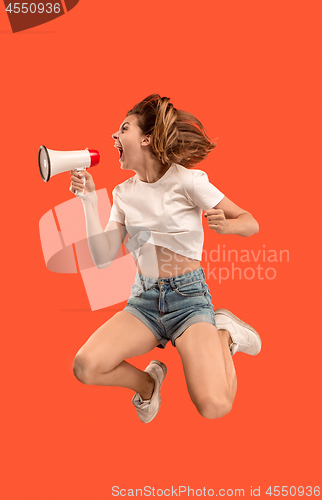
250	71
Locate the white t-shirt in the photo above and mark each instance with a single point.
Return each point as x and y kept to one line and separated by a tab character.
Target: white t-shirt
168	212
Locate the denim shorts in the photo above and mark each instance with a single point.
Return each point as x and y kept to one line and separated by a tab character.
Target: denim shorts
168	306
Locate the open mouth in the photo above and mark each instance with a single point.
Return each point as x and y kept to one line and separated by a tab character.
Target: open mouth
120	149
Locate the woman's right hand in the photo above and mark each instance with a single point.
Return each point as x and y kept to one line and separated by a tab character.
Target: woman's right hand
81	181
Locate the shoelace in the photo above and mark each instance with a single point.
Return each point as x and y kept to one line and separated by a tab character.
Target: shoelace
140	403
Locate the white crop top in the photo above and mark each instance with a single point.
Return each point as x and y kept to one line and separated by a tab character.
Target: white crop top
168	212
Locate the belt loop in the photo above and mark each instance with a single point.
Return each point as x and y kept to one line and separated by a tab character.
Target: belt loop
171	281
142	282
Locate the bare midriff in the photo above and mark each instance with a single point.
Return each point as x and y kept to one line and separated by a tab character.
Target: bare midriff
160	262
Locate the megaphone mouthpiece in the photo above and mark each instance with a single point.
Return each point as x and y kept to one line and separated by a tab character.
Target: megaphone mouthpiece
53	162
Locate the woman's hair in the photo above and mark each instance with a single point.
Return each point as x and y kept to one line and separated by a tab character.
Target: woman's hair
176	136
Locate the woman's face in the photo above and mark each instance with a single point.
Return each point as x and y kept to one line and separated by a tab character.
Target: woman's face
130	142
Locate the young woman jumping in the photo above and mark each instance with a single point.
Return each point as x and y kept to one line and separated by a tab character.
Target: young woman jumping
160	208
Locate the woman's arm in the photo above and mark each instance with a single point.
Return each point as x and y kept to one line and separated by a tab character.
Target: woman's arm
228	218
104	245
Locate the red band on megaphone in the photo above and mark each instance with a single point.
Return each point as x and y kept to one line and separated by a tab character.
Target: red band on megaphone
95	157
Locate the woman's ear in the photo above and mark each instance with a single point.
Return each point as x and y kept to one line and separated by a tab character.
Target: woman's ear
146	141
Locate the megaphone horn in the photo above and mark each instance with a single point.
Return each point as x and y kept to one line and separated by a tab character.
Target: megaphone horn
55	162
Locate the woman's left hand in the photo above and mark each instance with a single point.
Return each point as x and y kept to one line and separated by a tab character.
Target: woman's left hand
217	220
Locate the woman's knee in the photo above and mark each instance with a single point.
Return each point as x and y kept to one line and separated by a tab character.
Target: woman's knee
85	370
211	407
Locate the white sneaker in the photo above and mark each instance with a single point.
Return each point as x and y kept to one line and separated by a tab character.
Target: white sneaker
244	337
147	410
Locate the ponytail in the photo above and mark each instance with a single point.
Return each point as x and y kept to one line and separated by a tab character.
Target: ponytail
176	136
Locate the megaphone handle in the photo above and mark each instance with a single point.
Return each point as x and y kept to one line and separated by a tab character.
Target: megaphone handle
80	170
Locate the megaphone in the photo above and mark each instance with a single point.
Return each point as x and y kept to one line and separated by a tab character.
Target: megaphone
55	162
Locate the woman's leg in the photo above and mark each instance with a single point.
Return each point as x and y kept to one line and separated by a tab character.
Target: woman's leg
208	368
100	361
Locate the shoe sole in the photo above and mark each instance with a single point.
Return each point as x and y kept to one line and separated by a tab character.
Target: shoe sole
164	370
162	365
239	321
